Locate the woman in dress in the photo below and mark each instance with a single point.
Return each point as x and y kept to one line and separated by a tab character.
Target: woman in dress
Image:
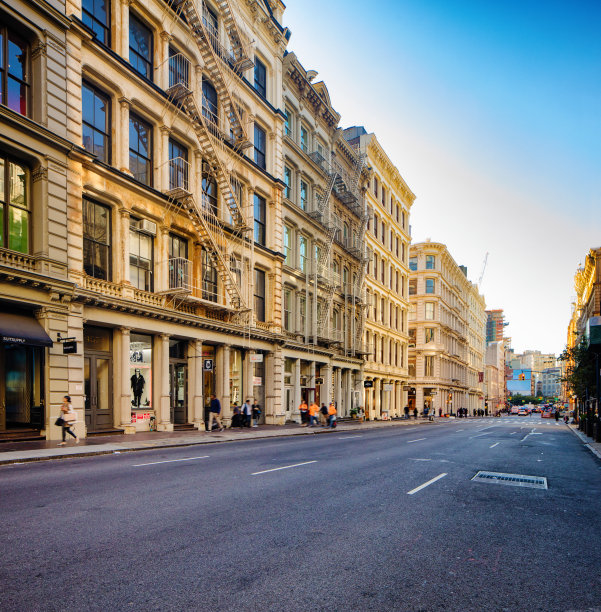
69	417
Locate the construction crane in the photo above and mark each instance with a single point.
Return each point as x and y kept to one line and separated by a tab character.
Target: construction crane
483	269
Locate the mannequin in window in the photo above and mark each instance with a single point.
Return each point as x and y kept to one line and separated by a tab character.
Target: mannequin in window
137	386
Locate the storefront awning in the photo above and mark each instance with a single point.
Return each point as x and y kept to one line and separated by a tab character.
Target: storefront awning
22	329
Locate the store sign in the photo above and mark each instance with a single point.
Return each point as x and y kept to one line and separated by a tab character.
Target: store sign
207	365
367	384
257	381
69	347
388	387
256	357
319	381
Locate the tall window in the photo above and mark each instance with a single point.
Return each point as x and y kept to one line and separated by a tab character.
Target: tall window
430	262
260	294
429	365
287	182
179	266
260	145
287	245
210	105
140	257
429	285
14	71
304	189
376	186
302	310
304	136
96	240
287	122
288	309
429	334
429	311
209	277
96	122
179	68
178	165
413	263
259	219
209	189
140	149
14	206
209	19
96	15
302	254
140	47
260	77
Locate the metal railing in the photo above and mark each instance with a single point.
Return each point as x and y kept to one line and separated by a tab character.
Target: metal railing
179	273
179	71
179	174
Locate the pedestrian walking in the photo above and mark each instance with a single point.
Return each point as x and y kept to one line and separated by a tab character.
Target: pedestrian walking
323	415
304	412
406	412
237	418
256	413
214	412
332	415
556	415
247	413
440	412
313	410
67	419
415	413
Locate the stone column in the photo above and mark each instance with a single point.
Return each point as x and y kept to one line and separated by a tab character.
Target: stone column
163	158
312	380
377	411
123	40
398	390
274	412
162	71
248	372
161	266
347	390
338	389
121	270
123	397
419	398
122	136
296	373
222	379
161	391
326	388
195	384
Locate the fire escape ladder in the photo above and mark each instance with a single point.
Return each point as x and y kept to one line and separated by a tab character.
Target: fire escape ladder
241	59
213	57
324	266
204	129
210	233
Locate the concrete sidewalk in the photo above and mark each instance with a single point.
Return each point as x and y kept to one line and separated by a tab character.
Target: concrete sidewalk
594	447
23	452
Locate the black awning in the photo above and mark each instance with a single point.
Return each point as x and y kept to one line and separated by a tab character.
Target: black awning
22	329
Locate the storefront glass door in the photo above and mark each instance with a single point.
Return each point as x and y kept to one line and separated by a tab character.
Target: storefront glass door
178	378
98	391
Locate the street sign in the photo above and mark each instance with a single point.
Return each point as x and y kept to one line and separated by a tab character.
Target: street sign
319	381
256	357
207	365
367	384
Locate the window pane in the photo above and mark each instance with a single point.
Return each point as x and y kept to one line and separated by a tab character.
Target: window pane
18	230
16	96
16	177
2	194
17	56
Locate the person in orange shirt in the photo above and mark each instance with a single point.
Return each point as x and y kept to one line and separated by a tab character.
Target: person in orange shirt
332	415
304	412
313	410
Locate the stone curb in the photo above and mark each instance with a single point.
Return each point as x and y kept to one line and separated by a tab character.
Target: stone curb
116	449
586	441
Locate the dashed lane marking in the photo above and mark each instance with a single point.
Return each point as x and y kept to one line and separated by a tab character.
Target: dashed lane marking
170	461
418	440
284	467
350	437
495	444
426	484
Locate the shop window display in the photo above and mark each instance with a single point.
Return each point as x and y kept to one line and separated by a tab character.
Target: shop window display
140	371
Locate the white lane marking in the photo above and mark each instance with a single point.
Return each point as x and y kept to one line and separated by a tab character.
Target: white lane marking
421	459
485	428
170	461
412	429
459	430
481	435
531	433
285	467
495	444
513	433
418	440
426	484
350	437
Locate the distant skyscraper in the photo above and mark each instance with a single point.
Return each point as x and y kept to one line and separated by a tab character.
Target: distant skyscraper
495	322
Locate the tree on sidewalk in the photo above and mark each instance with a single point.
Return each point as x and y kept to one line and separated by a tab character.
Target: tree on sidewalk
580	370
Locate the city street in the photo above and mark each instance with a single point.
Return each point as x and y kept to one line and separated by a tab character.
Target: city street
382	519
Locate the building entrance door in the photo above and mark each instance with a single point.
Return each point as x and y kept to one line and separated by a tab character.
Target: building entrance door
178	392
98	381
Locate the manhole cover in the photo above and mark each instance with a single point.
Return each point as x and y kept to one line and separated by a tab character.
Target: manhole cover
516	480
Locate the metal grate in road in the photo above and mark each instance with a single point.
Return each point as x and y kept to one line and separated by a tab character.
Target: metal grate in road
516	480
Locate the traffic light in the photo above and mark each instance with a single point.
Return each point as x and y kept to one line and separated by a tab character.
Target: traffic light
522	376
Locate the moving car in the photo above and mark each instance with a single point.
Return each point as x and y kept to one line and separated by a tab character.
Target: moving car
523	412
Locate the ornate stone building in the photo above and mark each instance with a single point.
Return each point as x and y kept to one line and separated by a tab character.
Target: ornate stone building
175	210
323	225
447	324
388	201
35	290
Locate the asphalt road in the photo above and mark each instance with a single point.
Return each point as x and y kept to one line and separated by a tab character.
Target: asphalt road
347	525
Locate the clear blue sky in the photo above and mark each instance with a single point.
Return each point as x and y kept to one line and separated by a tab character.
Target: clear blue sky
491	112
